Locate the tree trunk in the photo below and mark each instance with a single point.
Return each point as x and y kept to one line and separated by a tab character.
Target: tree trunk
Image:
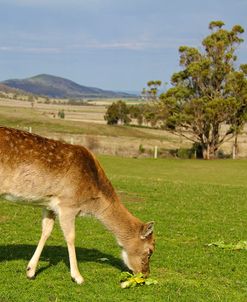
208	151
205	152
235	147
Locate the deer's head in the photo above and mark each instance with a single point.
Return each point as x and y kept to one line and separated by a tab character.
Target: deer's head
139	250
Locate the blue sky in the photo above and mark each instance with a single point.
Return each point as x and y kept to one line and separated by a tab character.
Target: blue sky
110	44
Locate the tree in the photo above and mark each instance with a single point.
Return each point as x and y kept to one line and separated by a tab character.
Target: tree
153	89
151	94
117	111
145	113
208	101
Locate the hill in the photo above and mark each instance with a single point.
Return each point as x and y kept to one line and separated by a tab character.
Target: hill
57	87
8	89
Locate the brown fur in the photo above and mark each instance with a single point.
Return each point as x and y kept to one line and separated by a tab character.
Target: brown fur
68	181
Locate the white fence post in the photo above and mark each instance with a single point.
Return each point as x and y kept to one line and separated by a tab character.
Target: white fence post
155	152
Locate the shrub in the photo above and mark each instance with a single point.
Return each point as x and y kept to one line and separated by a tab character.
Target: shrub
61	114
141	149
185	153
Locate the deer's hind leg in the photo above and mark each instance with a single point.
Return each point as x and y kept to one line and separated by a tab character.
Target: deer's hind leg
47	226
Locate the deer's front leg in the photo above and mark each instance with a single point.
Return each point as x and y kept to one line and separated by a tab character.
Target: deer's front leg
67	222
47	226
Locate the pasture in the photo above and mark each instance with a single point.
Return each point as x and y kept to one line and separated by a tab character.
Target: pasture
86	125
193	204
89	128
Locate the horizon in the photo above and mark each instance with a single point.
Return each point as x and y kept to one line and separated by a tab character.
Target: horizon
113	46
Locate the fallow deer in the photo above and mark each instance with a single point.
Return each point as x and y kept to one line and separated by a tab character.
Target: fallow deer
68	181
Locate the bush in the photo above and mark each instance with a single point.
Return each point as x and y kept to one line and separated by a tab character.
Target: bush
185	153
197	150
141	149
222	155
61	114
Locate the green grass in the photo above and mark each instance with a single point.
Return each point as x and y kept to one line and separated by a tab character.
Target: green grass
192	202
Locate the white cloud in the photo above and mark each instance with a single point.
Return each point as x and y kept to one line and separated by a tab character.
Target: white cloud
130	45
33	50
142	44
136	45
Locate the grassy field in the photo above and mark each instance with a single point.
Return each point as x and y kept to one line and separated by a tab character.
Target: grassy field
114	140
193	204
24	118
86	124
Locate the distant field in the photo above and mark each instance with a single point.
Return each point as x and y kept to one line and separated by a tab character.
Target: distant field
86	125
91	112
193	204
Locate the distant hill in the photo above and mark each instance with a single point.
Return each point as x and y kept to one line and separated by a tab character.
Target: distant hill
7	89
57	87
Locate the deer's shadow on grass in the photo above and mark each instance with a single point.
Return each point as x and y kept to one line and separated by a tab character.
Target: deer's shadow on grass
55	254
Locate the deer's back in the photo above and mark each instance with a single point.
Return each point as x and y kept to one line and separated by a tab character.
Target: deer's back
34	167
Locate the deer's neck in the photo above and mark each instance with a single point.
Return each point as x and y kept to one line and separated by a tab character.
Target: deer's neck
120	222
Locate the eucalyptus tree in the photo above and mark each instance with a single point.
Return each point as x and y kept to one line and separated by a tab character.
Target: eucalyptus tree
208	101
151	92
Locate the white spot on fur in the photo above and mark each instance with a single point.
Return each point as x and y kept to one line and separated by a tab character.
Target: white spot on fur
126	259
54	205
119	243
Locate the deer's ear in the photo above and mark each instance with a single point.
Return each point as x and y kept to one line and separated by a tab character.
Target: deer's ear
147	230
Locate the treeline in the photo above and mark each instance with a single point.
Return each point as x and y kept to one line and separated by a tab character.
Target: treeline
121	113
207	102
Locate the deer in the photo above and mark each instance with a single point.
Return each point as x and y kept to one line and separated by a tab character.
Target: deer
67	181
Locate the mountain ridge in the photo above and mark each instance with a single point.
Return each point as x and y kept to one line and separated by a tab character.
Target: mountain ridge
58	87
